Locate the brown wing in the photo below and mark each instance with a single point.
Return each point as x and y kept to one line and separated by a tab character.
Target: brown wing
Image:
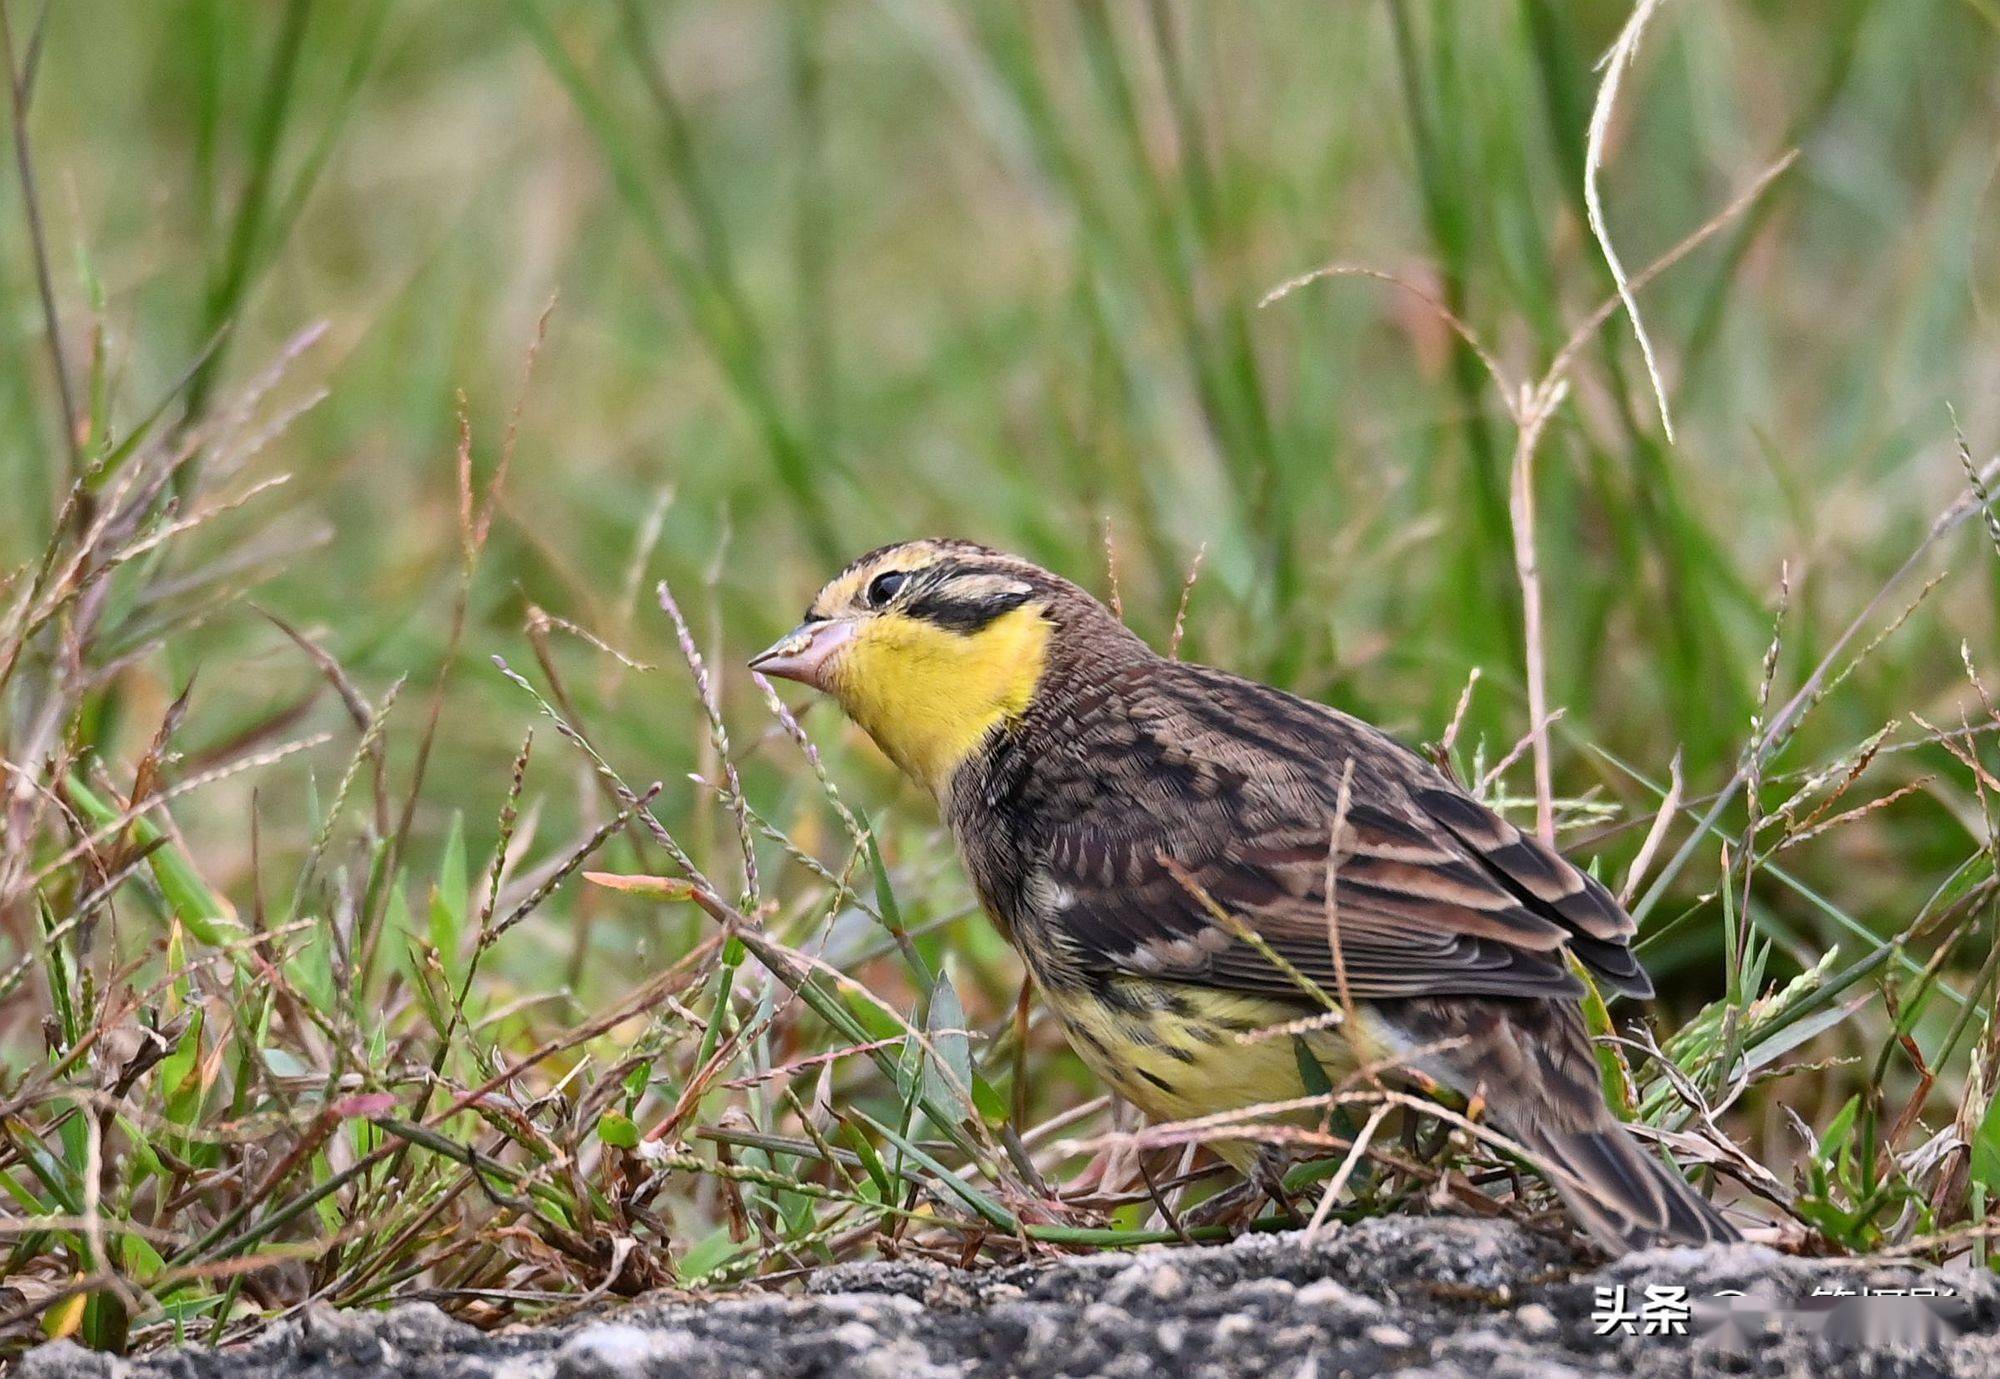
1237	786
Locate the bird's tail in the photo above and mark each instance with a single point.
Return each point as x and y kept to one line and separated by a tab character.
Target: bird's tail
1533	1063
1624	1196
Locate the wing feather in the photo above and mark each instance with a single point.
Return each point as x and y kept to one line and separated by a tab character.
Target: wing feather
1235	787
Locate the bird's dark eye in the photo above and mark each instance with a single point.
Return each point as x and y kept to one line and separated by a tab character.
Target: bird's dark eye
883	587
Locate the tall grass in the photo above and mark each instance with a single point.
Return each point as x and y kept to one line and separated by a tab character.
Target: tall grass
330	663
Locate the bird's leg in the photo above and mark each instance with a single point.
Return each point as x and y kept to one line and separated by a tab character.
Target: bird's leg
1268	1174
1237	1206
1233	1206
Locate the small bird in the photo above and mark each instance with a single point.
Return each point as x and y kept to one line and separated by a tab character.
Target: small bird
1156	838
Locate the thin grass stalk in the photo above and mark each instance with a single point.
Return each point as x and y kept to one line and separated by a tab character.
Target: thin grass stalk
228	287
19	79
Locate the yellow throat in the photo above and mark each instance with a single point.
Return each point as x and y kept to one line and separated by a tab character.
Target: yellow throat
929	695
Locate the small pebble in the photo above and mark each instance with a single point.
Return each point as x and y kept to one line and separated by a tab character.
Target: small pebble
1387	1336
1537	1321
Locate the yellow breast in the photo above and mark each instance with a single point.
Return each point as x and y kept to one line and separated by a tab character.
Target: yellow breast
1178	1052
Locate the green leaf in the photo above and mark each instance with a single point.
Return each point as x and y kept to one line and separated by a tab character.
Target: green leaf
311	966
1831	1221
876	1022
207	915
951	1045
615	1128
12	1186
992	1106
864	1149
1311	1073
705	1256
59	977
1986	1147
180	1077
1611	1070
139	1258
1839	1128
145	1159
105	1323
635	1083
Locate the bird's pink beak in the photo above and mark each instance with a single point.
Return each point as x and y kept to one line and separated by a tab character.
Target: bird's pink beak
806	654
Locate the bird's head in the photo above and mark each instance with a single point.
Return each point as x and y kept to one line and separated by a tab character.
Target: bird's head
933	645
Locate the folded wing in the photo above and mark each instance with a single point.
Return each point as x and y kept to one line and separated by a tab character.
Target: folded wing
1227	799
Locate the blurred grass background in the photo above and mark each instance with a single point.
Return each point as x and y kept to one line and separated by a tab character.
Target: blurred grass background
831	274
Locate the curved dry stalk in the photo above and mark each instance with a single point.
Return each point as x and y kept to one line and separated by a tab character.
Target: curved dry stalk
1616	64
1657	834
1509	393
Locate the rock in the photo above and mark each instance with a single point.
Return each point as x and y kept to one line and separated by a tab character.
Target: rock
68	1360
618	1350
1536	1322
1448	1299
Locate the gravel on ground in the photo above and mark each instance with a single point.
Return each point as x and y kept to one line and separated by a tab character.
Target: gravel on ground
1443	1299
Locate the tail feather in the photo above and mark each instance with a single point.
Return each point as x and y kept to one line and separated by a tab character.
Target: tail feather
1625	1197
1533	1063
